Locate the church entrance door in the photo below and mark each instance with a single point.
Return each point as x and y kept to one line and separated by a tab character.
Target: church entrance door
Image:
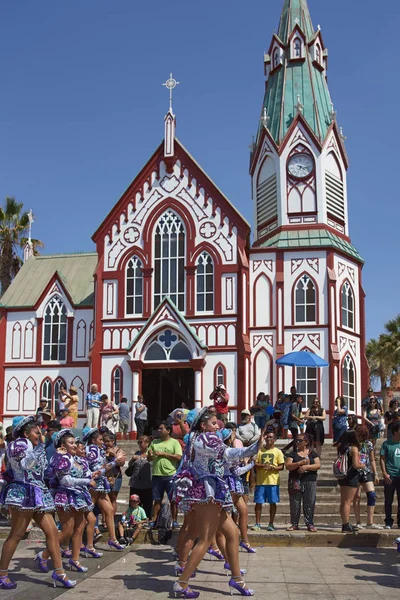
166	389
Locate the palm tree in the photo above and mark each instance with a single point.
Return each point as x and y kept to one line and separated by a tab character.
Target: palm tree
14	224
383	356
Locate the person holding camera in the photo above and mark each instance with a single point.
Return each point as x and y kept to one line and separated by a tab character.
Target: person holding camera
221	400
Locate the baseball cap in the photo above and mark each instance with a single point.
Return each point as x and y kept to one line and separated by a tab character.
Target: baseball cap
245	411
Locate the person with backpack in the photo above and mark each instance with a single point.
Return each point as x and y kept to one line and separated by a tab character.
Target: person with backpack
347	469
247	432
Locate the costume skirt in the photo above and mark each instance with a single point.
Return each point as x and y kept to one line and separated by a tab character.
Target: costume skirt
25	496
66	498
235	485
189	492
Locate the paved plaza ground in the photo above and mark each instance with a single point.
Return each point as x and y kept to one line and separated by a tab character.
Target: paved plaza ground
277	573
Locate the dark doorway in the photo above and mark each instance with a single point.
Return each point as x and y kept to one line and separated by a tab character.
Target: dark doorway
164	390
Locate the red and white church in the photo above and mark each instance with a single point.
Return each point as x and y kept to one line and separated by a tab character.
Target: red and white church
176	300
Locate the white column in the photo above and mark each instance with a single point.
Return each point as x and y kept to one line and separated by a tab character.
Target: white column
135	392
197	390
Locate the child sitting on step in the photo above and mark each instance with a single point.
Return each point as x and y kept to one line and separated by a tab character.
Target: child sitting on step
132	521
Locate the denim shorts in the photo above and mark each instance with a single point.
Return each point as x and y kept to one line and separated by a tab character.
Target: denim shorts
161	484
266	493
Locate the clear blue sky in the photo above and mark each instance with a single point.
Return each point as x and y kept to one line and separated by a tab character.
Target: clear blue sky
82	109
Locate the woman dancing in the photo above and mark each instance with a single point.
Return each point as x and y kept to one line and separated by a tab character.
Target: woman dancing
97	463
200	488
27	497
71	498
233	471
89	548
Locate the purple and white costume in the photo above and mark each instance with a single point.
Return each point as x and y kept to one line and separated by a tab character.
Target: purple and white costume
96	458
26	468
201	480
233	470
70	483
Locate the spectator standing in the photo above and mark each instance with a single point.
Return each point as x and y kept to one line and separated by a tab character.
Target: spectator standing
296	416
368	479
109	414
141	418
303	465
269	463
284	405
391	417
261	404
349	444
390	465
93	403
165	454
139	471
247	432
373	415
365	401
124	414
72	403
42	406
315	417
339	422
221	402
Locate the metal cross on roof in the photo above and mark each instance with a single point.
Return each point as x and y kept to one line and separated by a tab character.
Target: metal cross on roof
171	84
30	218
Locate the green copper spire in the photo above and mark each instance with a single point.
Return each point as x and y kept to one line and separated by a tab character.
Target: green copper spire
295	12
296	82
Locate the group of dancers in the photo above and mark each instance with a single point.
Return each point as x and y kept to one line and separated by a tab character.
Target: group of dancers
71	485
206	487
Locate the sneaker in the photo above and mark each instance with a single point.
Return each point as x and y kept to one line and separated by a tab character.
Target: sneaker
271	527
175	525
360	526
129	541
256	527
349	528
122	541
97	536
388	527
373	526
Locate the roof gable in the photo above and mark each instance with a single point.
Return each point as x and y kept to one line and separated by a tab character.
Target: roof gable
75	271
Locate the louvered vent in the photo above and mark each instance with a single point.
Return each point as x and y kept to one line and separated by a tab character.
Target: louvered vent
267	200
334	196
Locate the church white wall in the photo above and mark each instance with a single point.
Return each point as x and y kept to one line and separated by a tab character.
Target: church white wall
22	387
83	333
21	337
109	363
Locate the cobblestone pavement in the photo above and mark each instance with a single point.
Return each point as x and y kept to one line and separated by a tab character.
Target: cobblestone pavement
280	573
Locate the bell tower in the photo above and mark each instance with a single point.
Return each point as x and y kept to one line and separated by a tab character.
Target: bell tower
298	161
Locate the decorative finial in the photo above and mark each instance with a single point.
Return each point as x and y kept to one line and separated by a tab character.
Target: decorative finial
31	220
333	113
297	20
319	27
342	136
171	84
299	106
265	119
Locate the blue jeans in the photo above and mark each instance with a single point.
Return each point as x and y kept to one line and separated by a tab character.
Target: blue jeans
260	420
338	432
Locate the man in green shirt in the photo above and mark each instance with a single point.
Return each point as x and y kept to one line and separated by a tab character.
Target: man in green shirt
165	453
390	465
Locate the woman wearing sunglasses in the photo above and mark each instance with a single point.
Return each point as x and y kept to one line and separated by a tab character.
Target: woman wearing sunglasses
303	465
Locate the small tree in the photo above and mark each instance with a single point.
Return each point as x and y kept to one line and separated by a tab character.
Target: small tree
14	224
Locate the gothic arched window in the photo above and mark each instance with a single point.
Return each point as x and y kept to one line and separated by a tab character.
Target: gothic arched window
318	54
169	260
305	301
349	382
134	287
347	306
306	384
205	283
55	330
46	390
297	48
116	385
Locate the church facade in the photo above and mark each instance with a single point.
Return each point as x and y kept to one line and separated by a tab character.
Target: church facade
176	300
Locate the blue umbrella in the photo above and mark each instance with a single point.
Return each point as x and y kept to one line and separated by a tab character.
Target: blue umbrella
302	359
